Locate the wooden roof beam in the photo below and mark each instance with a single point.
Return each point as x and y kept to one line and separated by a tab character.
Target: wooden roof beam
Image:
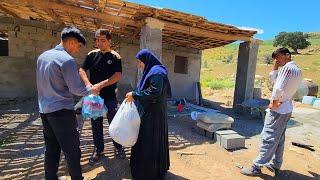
102	5
106	18
11	12
205	33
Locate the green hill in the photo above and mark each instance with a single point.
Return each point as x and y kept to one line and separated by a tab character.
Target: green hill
219	64
266	48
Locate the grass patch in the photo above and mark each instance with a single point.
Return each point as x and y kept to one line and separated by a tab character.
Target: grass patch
218	83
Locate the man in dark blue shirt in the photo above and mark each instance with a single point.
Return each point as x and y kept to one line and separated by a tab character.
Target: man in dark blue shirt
105	69
57	81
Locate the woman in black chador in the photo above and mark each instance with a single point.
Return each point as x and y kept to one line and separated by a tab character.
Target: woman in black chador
150	155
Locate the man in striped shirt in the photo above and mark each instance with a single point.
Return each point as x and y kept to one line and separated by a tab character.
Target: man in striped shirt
286	82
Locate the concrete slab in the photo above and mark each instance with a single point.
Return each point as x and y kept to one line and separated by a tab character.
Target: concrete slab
213	127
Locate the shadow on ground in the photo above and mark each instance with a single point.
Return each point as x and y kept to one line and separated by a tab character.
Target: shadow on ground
22	154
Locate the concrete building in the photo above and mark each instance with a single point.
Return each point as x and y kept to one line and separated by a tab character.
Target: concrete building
30	27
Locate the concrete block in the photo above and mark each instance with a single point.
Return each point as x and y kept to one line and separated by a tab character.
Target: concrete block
232	141
16	53
220	133
28	29
41	31
30	55
22	22
316	103
54	26
27	48
22	36
41	50
38	24
6	27
38	37
308	100
6	20
12	35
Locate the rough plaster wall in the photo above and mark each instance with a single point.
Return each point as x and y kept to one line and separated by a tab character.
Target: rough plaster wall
183	85
17	77
28	39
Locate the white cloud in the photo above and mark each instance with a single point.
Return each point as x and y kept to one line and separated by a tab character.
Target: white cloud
157	7
259	31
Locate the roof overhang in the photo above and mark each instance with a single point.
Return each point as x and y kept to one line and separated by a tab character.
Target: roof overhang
125	19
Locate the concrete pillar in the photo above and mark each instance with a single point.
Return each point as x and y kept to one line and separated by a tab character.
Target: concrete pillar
246	70
151	36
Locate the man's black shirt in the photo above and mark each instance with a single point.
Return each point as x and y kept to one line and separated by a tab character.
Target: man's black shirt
101	67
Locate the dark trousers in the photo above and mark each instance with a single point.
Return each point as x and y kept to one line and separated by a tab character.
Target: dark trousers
60	133
97	127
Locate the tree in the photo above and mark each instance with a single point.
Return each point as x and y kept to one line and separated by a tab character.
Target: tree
294	40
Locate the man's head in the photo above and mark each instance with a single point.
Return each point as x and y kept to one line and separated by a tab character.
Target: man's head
282	56
72	39
103	39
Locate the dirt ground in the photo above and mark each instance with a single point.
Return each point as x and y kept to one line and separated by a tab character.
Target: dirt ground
192	156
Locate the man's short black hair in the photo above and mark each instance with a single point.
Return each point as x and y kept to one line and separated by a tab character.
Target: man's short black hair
72	32
282	51
101	32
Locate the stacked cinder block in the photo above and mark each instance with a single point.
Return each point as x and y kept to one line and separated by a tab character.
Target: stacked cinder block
29	38
210	122
217	126
230	139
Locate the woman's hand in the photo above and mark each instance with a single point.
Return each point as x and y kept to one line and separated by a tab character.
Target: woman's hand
129	97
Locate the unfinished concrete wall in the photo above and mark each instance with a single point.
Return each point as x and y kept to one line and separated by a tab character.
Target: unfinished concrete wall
28	39
17	77
183	85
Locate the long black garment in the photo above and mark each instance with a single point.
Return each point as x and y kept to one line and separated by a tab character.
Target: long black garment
150	155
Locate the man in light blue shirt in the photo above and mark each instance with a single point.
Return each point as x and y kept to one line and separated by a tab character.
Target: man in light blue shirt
57	81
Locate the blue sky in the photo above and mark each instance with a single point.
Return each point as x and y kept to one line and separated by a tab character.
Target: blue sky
269	16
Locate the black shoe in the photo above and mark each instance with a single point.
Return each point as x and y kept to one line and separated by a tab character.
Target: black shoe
252	171
271	168
120	153
94	158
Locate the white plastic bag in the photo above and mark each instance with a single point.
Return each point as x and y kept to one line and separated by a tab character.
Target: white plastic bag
124	128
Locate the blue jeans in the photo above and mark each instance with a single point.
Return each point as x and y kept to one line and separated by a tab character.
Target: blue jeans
273	137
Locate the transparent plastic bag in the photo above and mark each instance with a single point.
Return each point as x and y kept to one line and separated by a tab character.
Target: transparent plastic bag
93	107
